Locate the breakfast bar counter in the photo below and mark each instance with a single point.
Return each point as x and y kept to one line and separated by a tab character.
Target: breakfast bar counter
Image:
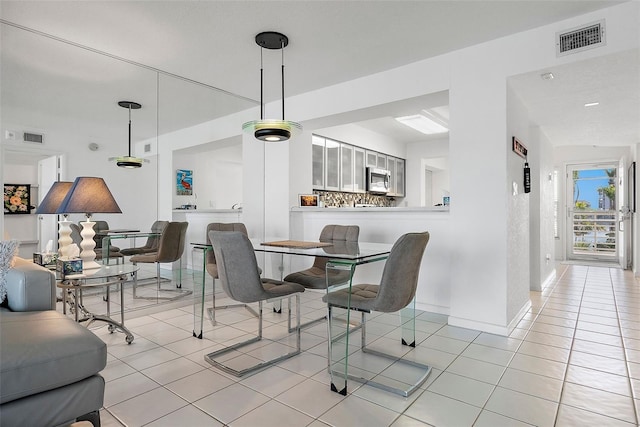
386	225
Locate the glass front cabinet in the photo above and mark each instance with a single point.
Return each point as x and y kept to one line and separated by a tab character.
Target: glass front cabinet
317	154
338	166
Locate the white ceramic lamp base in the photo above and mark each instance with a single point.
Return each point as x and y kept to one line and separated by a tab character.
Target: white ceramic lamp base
64	239
87	254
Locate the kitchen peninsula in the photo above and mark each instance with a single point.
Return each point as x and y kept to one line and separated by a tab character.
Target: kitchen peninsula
385	225
198	220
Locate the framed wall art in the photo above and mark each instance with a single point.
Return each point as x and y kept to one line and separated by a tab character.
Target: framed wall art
17	199
184	182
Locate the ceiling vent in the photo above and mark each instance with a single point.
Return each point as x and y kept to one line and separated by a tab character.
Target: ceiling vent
579	39
33	137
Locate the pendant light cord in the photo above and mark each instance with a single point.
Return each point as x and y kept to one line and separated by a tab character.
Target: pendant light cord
129	129
282	62
261	77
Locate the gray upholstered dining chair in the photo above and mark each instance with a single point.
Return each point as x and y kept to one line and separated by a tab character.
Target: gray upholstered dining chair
396	292
100	227
238	274
152	243
170	249
344	239
76	237
212	267
314	277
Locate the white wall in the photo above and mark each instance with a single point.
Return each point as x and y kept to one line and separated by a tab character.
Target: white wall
433	154
217	177
520	219
542	211
357	135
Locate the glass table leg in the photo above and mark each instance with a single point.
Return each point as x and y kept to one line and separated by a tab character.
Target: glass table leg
198	297
338	324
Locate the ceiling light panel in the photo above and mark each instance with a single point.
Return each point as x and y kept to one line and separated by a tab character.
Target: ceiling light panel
422	124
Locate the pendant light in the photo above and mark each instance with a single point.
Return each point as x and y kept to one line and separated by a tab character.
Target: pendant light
265	129
129	162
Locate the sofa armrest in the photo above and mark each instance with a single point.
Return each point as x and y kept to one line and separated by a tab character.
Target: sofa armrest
30	287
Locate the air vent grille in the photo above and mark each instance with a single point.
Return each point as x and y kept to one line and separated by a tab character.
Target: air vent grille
147	148
580	39
33	137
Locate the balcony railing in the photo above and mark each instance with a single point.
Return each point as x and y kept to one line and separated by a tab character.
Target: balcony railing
594	232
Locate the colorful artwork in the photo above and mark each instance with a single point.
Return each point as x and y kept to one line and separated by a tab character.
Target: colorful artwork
184	182
17	199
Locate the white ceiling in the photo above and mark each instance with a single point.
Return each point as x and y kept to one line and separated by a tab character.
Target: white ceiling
330	42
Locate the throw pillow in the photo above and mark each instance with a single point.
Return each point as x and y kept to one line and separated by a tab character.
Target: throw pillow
8	250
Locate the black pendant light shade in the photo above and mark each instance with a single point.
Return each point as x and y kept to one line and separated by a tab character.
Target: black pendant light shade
272	130
128	161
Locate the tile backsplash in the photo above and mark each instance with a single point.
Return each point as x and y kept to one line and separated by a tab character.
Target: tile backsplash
339	199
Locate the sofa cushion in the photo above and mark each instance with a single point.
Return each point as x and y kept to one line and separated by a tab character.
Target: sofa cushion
44	350
30	287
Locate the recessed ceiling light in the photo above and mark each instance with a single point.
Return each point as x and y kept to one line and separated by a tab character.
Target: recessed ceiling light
422	124
546	76
591	104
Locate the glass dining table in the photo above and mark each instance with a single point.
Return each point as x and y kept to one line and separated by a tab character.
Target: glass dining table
341	256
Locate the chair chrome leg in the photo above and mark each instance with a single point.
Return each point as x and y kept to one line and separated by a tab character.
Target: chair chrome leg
211	357
211	311
159	280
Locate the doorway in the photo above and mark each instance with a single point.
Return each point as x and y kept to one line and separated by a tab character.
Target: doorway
592	223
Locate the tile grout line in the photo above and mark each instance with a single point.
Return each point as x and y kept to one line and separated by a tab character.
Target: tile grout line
573	339
624	352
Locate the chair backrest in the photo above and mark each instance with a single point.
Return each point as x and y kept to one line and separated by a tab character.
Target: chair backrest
153	242
172	242
400	275
341	234
222	226
237	266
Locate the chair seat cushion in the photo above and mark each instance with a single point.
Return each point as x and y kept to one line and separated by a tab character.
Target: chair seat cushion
315	278
362	297
137	251
149	258
277	288
44	350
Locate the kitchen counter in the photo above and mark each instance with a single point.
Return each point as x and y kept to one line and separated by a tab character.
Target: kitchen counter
234	211
198	220
386	225
374	209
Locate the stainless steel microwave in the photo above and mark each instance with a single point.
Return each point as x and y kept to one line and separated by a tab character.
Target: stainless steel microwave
378	180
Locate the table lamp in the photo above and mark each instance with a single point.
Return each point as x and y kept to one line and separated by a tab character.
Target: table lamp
88	195
50	205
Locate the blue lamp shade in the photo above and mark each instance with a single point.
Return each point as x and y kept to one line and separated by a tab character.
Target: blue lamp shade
54	197
89	195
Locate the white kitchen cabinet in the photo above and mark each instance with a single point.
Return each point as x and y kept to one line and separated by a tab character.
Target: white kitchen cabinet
338	166
400	177
372	159
318	159
359	170
391	167
332	165
346	167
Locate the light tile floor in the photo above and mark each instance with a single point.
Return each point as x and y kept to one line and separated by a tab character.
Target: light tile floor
573	360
